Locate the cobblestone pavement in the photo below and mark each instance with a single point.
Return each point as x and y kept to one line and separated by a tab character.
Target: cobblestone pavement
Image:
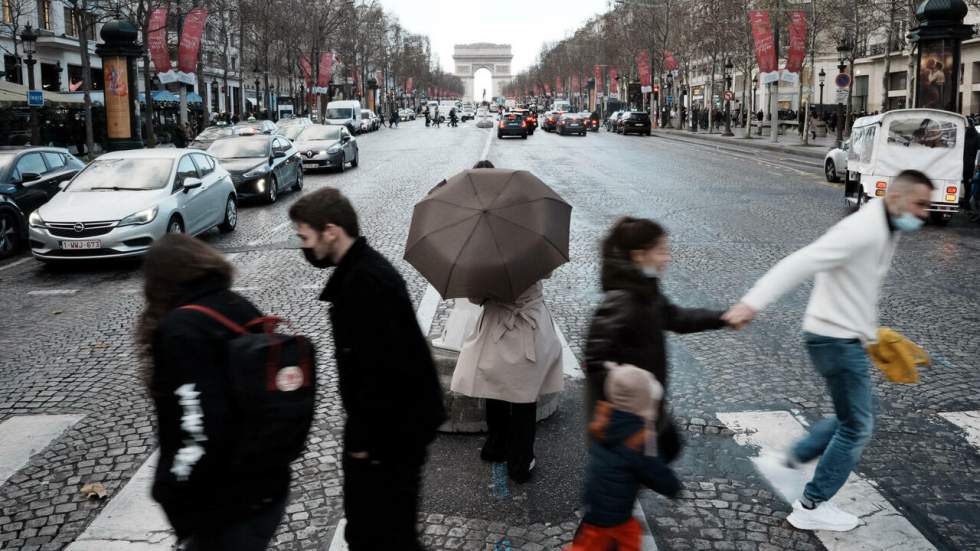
66	347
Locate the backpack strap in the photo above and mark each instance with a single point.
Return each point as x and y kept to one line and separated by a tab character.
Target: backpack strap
216	316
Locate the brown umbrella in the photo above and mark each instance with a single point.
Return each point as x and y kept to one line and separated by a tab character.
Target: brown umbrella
488	233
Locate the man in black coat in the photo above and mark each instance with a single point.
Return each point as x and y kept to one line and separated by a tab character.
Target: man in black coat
387	377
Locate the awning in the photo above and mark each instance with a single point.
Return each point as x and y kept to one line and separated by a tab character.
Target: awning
194	97
11	92
160	96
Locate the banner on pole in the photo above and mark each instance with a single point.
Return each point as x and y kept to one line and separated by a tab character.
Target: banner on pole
547	89
307	68
797	47
157	43
574	85
765	47
599	82
325	70
190	45
643	67
669	62
558	88
409	85
613	83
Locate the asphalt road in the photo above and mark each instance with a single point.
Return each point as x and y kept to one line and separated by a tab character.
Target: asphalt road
66	346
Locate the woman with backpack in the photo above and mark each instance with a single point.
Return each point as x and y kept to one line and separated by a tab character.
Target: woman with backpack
212	503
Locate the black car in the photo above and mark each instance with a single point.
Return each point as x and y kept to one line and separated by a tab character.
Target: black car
211	134
550	121
634	122
572	123
530	118
261	165
29	177
512	124
324	146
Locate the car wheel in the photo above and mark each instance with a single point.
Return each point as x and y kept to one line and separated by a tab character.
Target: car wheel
649	133
9	234
830	170
176	225
500	136
940	219
524	136
342	166
357	160
298	186
272	195
231	216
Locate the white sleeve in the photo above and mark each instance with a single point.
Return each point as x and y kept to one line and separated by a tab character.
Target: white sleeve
841	243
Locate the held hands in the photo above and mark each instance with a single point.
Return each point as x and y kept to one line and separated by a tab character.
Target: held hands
740	315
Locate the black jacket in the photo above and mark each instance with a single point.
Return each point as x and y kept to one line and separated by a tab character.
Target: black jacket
388	380
618	468
628	327
188	355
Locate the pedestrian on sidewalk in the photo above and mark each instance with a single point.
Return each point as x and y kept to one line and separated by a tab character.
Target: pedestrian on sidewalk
511	360
622	460
629	325
211	504
426	113
849	264
387	378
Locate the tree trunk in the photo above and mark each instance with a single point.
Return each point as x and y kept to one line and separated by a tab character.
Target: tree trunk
148	132
82	25
885	80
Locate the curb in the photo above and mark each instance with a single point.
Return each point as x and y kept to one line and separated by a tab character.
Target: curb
819	153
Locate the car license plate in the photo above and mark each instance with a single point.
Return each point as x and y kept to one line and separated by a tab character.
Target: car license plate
81	245
637	124
311	165
573	125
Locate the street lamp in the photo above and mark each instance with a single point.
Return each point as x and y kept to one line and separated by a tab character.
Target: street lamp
28	39
751	114
255	71
729	70
843	54
823	77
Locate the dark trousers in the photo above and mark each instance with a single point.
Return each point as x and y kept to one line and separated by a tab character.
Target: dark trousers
251	532
510	437
381	502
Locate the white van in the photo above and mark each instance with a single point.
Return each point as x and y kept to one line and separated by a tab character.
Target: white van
344	113
561	105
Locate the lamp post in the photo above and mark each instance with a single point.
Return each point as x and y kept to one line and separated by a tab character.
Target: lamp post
729	69
843	51
823	77
258	102
28	39
751	114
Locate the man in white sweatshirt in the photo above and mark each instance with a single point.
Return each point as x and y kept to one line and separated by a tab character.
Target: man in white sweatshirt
848	265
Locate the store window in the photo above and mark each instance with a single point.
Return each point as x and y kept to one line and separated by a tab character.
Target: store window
75	78
11	69
44	14
898	80
70	27
50	77
859	103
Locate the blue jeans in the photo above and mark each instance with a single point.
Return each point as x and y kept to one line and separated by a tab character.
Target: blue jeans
838	441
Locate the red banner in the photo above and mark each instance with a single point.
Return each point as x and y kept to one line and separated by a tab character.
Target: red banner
797	42
765	48
669	62
599	82
574	85
558	88
325	70
409	85
157	40
304	65
613	83
190	40
643	67
547	90
537	90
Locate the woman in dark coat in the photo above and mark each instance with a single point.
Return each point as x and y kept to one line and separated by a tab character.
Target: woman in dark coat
210	505
629	325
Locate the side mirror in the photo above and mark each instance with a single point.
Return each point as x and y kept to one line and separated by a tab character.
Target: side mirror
278	154
191	183
30	177
345	138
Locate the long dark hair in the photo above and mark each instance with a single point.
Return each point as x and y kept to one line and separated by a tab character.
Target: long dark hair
630	234
175	265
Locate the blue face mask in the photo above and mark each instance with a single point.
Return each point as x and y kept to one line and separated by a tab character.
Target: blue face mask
908	222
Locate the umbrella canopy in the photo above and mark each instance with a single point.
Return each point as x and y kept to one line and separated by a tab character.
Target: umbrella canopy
488	234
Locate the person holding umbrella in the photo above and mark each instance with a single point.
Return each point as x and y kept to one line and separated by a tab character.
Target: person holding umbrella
490	236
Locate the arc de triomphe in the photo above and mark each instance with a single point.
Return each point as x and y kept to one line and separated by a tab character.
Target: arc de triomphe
496	58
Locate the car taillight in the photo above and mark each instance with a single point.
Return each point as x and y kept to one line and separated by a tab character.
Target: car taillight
502	125
882	185
523	124
952	189
562	123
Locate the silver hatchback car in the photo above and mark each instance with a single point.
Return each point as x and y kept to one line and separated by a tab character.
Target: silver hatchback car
122	202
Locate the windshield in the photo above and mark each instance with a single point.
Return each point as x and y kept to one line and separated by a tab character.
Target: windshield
123	174
922	132
240	148
639	116
213	133
340	113
5	159
320	133
292	131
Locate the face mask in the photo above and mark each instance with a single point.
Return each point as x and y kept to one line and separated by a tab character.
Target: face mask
325	262
650	271
908	222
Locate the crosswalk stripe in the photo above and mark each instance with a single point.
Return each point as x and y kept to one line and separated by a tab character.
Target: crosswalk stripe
25	435
883	527
131	521
969	421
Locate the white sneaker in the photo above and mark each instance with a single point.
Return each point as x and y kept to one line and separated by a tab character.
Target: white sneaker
825	516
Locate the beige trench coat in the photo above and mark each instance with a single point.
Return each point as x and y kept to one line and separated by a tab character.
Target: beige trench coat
514	354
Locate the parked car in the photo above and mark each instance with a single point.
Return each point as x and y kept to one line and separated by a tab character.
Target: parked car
291	127
835	162
210	134
29	178
634	122
571	123
322	146
260	166
122	202
345	113
612	121
512	124
255	127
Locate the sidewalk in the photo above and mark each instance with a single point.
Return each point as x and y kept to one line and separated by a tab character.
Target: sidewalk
788	143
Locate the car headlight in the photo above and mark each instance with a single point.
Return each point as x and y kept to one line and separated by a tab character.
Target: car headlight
333	149
257	171
140	218
35	220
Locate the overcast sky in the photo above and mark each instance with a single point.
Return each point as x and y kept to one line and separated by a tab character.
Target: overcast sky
524	24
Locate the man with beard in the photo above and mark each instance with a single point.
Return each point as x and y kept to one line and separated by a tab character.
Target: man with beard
387	377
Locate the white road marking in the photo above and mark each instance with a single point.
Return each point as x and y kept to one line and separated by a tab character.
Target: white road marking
232	256
882	526
245	289
427	309
24	435
131	521
486	148
52	292
269	237
569	363
15	263
338	543
969	421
